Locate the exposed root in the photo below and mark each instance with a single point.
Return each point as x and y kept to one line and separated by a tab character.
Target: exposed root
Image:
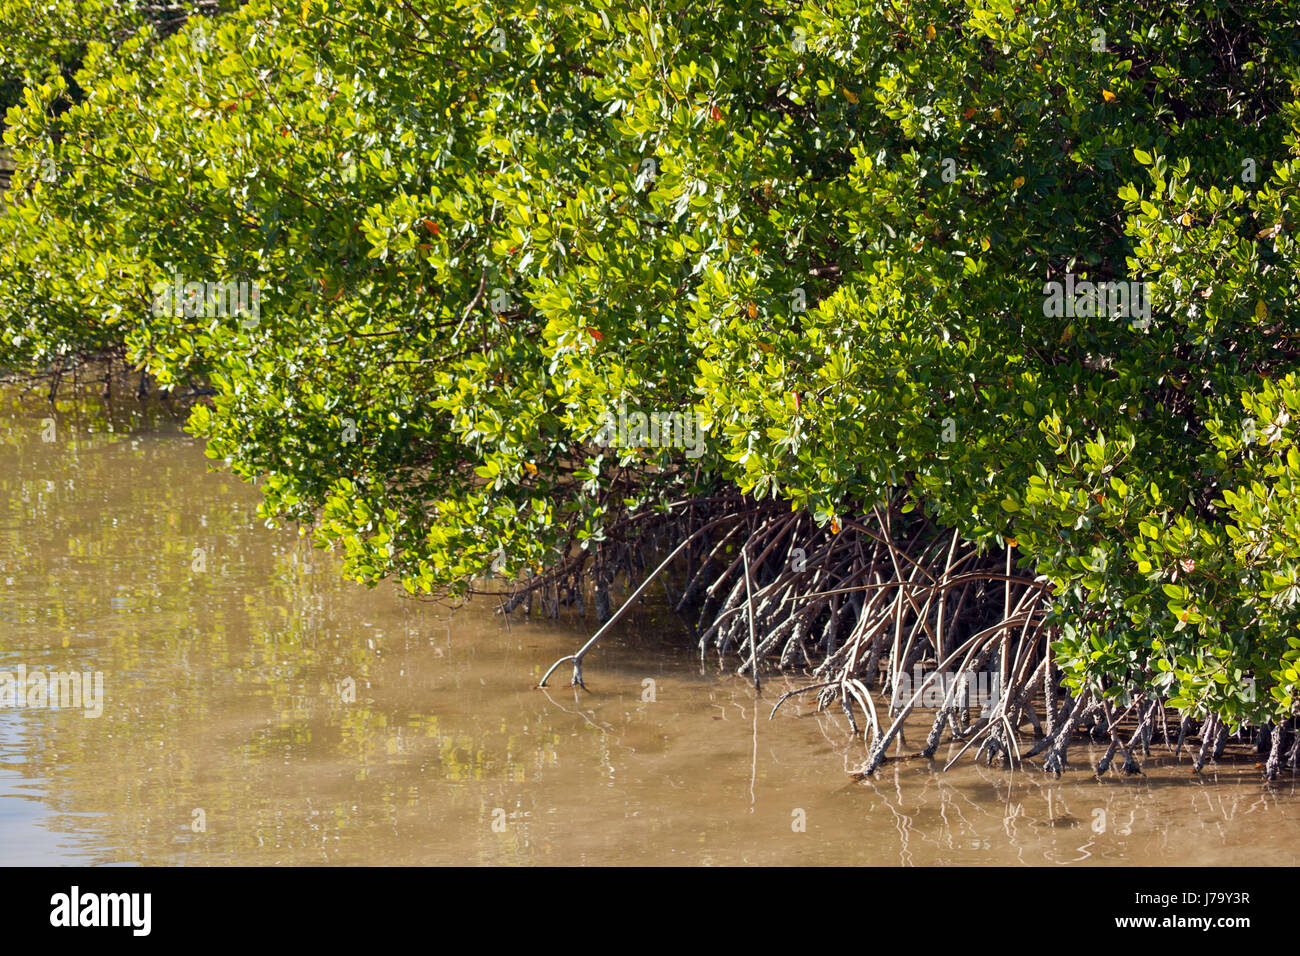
1130	766
1055	760
1208	737
891	615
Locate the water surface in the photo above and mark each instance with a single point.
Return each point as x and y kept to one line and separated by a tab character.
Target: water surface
261	710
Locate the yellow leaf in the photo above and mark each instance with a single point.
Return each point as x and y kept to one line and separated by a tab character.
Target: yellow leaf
984	243
850	95
1018	181
1108	96
929	32
751	310
835	526
1186	219
1261	310
530	467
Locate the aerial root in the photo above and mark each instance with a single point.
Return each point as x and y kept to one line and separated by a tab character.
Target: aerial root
892	616
1208	737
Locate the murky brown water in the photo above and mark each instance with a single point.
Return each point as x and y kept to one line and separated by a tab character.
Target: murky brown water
226	649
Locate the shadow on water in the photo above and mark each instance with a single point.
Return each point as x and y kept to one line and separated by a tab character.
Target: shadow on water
259	709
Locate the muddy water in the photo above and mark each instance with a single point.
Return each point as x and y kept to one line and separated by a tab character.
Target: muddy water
259	710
